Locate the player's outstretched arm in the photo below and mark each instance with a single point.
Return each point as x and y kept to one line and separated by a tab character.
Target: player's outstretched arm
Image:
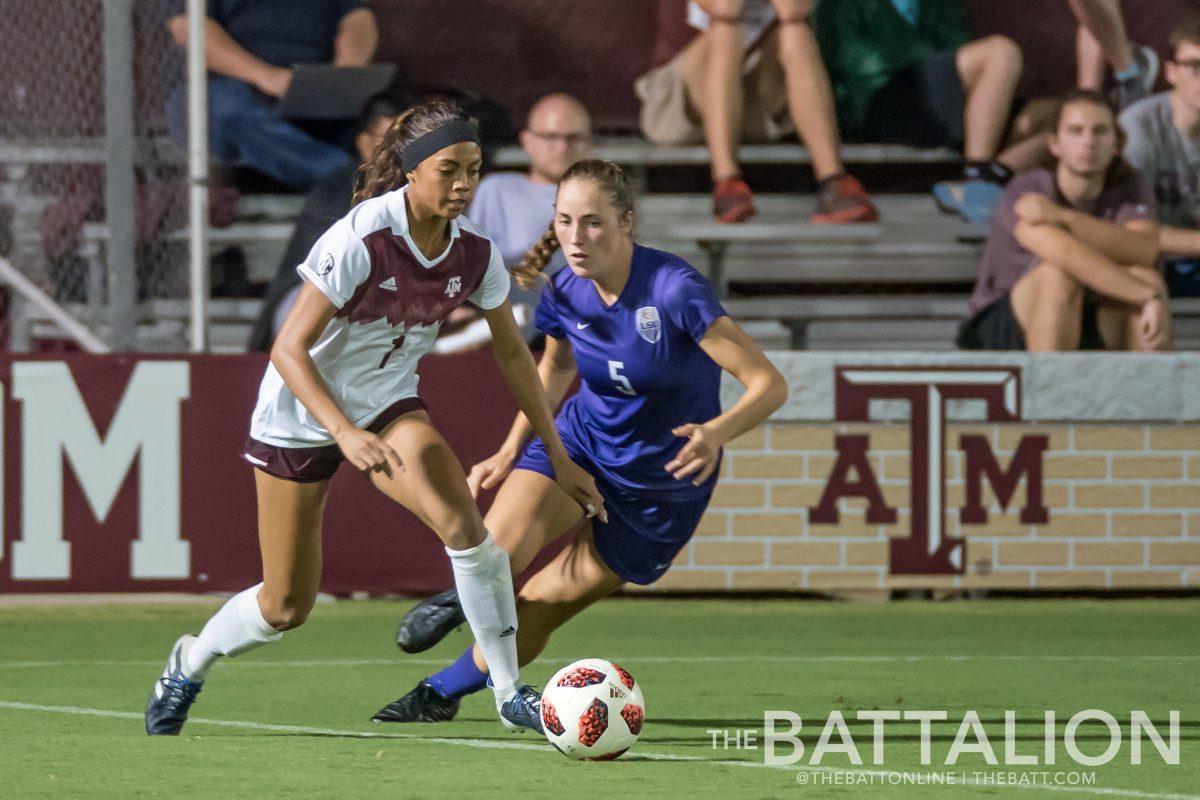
557	370
301	328
766	390
521	375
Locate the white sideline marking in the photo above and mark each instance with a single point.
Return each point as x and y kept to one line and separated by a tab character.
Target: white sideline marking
401	661
491	745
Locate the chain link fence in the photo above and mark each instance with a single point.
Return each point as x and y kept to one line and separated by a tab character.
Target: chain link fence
93	202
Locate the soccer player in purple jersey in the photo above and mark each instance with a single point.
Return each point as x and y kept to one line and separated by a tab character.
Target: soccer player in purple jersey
342	386
649	339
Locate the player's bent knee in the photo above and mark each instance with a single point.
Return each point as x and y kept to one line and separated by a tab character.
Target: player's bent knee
287	613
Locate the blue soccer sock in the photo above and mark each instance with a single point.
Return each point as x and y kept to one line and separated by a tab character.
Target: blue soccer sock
460	678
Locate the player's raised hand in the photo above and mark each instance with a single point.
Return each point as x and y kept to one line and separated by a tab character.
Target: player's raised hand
581	486
698	457
369	453
488	474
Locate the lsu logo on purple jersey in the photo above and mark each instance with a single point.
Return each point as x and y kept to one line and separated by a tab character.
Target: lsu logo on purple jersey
649	327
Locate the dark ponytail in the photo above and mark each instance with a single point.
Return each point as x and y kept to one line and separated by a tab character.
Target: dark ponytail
383	172
531	272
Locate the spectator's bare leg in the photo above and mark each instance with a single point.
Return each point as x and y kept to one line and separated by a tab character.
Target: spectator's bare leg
810	96
1029	136
1089	61
1026	154
989	69
1103	19
721	105
1048	303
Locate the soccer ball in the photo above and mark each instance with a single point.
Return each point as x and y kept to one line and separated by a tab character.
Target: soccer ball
592	710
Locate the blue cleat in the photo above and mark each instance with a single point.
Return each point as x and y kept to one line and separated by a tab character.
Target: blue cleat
523	711
173	695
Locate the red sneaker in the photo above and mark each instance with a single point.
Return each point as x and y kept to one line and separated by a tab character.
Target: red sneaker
842	199
732	201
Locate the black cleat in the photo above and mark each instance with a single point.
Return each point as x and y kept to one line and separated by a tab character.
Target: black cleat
422	704
173	695
429	622
523	711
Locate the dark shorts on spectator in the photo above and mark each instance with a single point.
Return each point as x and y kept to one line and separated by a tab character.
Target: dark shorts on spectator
921	106
312	464
1183	277
995	327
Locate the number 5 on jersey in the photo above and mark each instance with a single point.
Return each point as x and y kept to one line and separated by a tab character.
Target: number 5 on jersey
622	383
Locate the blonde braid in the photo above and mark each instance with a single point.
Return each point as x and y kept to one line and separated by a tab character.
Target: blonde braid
531	272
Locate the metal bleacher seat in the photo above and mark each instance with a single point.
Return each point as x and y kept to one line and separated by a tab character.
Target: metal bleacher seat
633	151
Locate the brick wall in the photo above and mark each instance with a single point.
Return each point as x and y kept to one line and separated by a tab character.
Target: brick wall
1122	498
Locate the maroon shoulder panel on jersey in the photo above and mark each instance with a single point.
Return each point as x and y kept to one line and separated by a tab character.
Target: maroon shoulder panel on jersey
404	291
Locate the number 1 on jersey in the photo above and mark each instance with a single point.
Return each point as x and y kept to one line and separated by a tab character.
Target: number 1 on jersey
622	383
397	343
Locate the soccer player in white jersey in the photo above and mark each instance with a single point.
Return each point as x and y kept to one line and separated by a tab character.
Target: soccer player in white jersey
342	385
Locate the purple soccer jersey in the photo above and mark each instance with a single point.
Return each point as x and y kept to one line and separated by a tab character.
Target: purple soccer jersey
641	365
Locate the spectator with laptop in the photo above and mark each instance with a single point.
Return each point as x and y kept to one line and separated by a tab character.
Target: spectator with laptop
1070	257
1162	142
753	74
904	72
326	203
250	49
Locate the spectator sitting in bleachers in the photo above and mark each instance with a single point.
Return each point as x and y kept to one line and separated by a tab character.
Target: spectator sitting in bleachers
1070	253
516	208
1101	41
250	48
1162	141
326	203
754	74
903	72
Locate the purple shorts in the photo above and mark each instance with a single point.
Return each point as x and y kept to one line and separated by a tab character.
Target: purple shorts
312	464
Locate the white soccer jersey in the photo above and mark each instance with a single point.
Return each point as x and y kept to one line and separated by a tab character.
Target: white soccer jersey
391	300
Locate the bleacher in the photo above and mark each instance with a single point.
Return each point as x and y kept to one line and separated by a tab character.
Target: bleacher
899	284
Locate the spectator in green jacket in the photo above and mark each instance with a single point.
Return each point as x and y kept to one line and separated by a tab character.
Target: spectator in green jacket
904	72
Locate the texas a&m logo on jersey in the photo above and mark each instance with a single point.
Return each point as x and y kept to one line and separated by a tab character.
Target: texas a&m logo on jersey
453	286
649	327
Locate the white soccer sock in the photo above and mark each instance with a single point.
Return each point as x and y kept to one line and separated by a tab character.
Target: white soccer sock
483	577
237	627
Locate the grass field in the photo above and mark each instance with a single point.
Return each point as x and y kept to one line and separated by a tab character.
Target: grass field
291	720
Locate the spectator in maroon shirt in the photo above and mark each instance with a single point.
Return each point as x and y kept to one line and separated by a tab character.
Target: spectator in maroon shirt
1071	256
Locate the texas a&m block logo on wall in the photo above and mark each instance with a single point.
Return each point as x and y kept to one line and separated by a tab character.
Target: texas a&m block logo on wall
928	548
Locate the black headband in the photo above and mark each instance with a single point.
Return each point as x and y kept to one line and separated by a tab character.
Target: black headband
421	148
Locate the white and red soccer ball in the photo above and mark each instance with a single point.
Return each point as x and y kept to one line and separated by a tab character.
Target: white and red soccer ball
592	710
